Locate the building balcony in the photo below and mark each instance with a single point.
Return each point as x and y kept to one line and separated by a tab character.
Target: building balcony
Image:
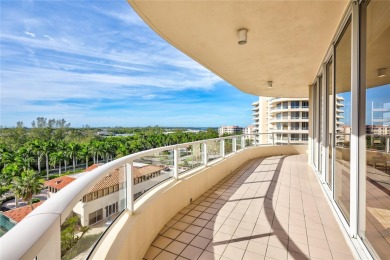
284	109
227	205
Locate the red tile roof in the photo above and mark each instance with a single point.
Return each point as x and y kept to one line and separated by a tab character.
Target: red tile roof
18	214
117	176
92	167
60	182
145	170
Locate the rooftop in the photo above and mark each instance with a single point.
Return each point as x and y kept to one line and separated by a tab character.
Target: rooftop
60	182
20	213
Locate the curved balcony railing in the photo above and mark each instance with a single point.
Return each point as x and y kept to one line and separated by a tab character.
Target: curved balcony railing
43	233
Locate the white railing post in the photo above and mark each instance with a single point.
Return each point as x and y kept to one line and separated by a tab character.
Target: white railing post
129	187
243	142
176	155
387	145
288	138
273	138
234	144
205	154
222	148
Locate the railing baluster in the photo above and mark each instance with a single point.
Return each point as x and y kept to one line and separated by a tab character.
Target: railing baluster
223	148
234	144
129	186
205	154
176	155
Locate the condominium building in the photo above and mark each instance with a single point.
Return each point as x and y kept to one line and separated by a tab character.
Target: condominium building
230	129
281	120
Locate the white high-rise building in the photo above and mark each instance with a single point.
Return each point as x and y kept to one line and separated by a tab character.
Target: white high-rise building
230	129
281	120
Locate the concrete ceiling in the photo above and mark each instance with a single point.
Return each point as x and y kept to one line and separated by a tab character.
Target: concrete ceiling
287	40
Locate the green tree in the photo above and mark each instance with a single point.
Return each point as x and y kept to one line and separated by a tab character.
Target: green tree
28	184
73	150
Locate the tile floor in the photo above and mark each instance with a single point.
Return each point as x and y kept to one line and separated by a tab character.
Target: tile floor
269	208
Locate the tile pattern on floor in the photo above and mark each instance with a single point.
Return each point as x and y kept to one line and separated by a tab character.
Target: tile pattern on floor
269	208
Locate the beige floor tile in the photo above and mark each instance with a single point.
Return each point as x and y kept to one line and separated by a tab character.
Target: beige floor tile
233	252
172	233
206	255
191	252
206	233
200	222
164	255
185	237
175	247
276	253
252	256
200	242
152	253
162	242
193	229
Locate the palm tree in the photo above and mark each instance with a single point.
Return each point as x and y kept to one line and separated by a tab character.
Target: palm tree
73	149
46	149
9	173
37	150
85	153
28	184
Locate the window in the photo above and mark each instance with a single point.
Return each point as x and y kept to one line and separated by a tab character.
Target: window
305	126
294	104
294	137
305	104
305	137
279	116
305	115
295	126
294	115
285	105
285	115
95	216
100	193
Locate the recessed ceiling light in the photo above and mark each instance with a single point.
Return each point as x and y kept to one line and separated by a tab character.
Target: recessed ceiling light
269	83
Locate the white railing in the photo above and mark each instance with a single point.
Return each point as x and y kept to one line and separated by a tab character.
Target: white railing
38	236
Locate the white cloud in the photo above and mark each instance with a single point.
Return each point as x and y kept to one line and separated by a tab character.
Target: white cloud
30	34
48	37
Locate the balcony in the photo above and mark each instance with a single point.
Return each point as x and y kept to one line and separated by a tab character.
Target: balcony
232	200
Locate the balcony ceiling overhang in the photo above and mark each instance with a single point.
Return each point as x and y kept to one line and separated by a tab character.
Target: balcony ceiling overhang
287	40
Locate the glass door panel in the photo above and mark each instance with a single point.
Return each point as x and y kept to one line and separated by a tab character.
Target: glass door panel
376	231
342	134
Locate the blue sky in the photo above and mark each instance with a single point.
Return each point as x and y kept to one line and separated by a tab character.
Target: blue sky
97	63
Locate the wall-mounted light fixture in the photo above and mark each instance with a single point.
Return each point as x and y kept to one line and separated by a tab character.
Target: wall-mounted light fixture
269	83
242	36
382	72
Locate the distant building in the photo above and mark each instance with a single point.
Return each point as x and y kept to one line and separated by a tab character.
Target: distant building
105	198
232	129
378	129
281	120
250	132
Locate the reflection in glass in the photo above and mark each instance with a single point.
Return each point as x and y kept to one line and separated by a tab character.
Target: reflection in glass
377	225
342	136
